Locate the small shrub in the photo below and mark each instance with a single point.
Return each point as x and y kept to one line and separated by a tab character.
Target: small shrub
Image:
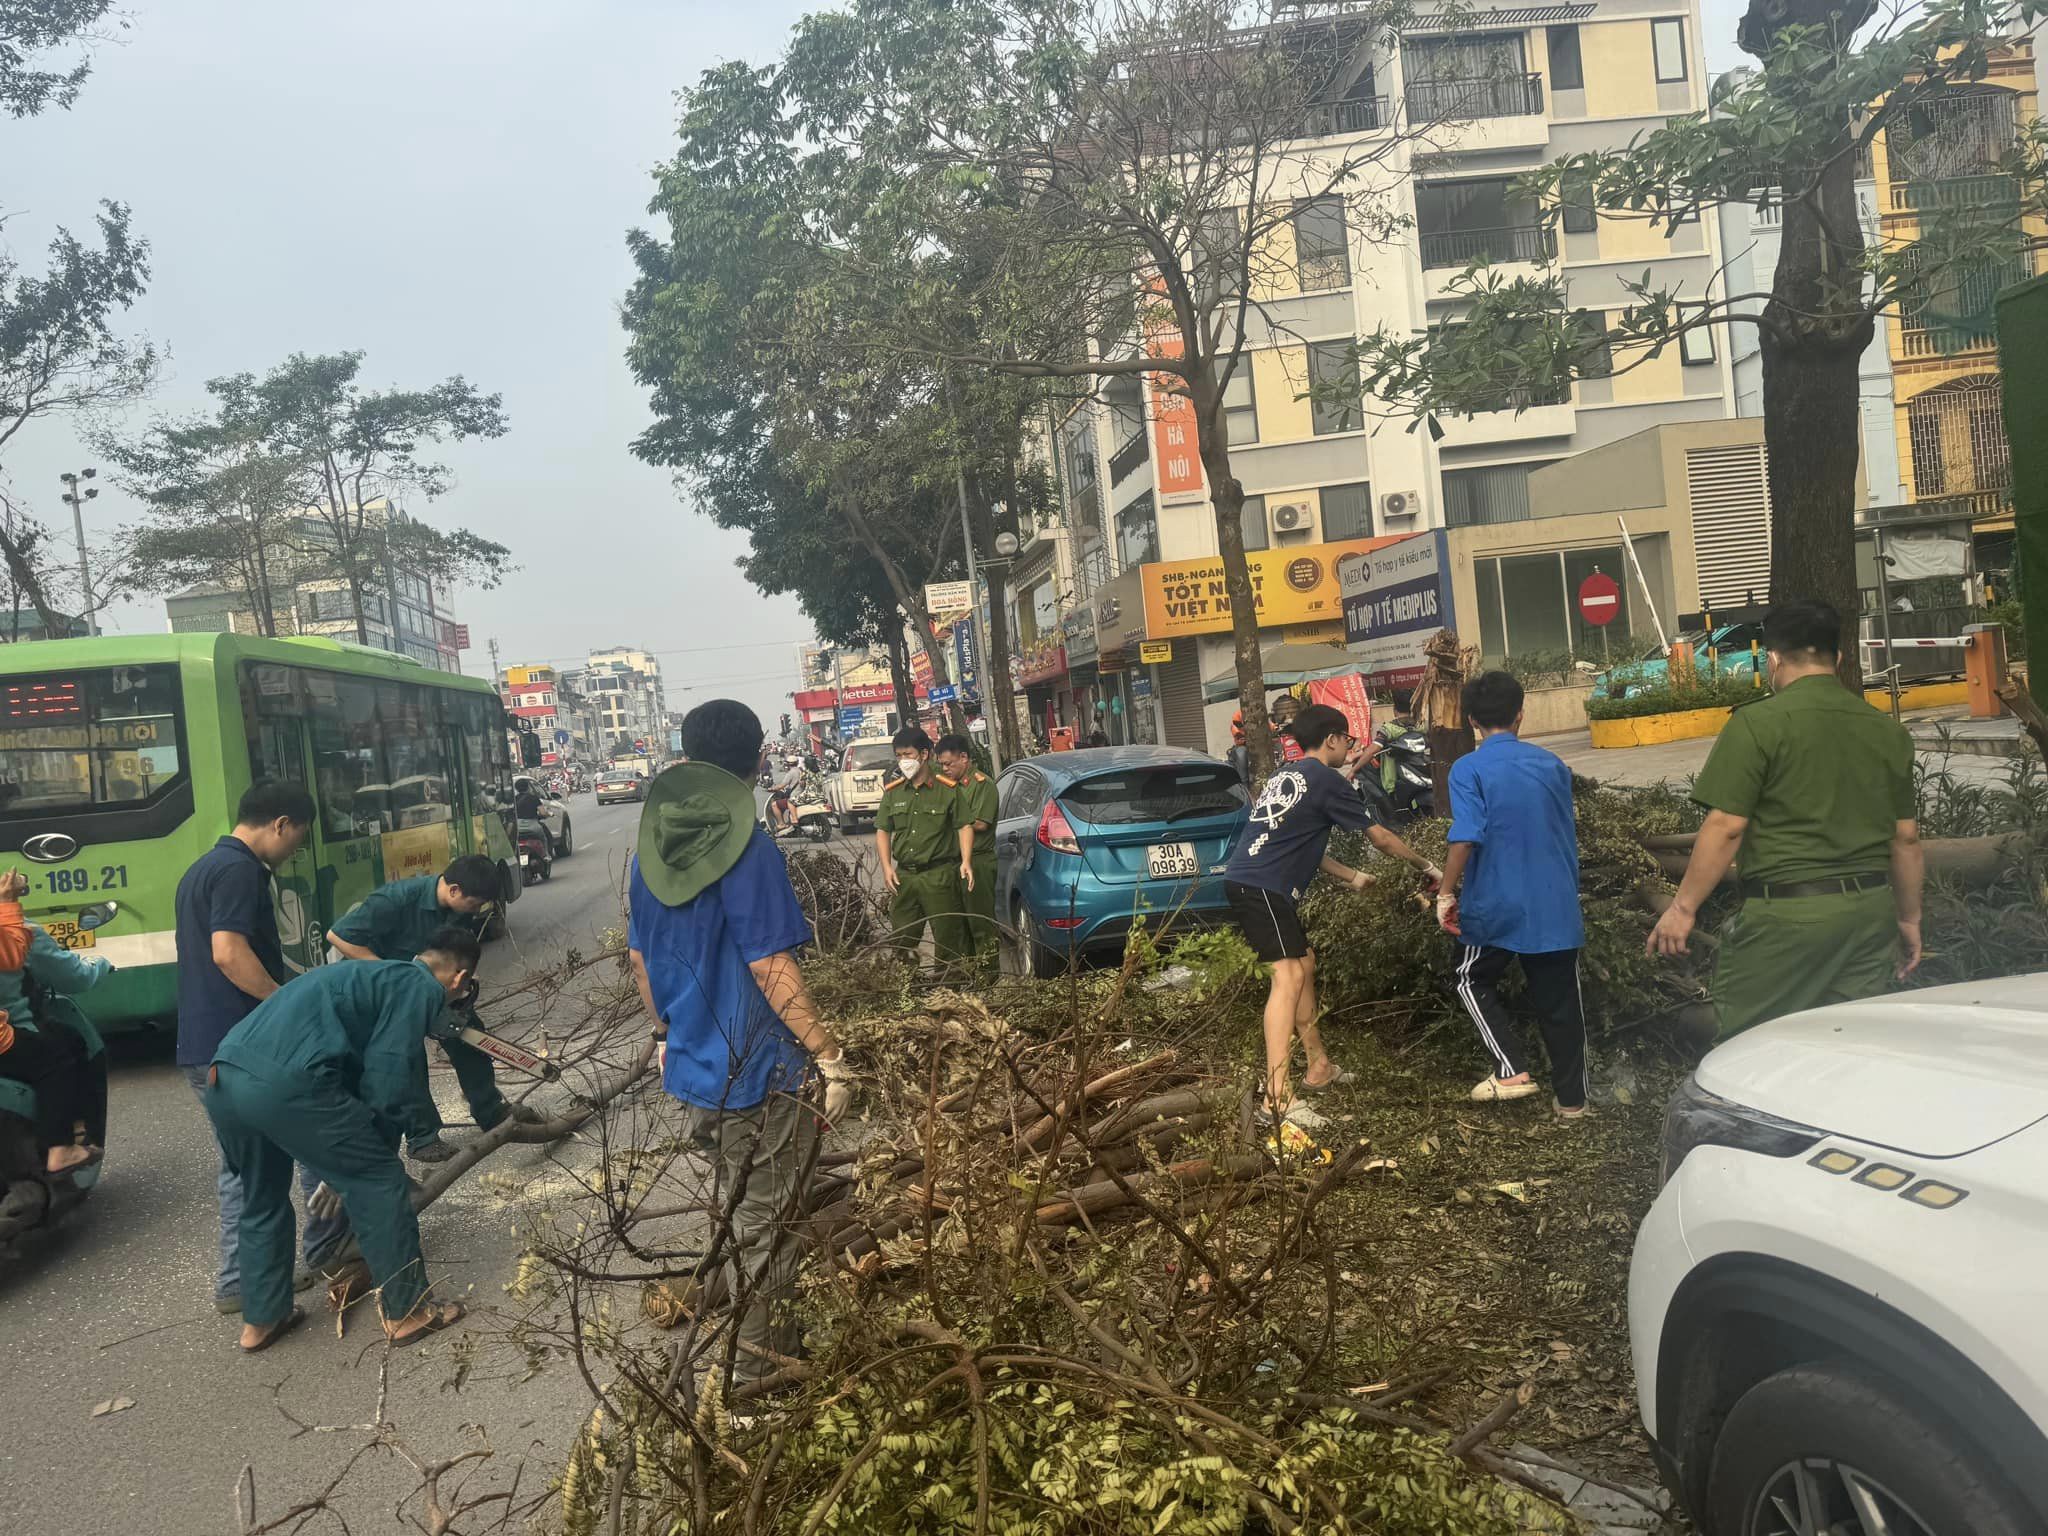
1700	692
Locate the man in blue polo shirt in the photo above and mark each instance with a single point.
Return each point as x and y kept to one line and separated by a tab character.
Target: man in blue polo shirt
1514	845
229	960
712	931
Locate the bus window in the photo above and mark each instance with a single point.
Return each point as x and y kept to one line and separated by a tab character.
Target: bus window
272	707
350	779
416	751
78	741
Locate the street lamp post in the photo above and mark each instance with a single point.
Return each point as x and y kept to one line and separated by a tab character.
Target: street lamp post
77	500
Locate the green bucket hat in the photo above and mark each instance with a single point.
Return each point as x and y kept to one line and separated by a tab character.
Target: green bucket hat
693	829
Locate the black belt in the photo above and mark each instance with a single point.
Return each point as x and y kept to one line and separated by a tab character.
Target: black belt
919	869
1841	885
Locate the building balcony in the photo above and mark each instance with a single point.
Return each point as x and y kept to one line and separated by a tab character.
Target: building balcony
1467	101
1338	119
1523	415
1460	248
1926	195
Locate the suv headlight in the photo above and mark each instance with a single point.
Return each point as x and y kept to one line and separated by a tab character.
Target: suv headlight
1697	1118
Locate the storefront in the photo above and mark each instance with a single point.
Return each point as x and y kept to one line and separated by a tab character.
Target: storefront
1041	672
1126	687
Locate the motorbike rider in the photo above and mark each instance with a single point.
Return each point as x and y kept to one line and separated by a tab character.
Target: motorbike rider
70	1094
781	816
1389	732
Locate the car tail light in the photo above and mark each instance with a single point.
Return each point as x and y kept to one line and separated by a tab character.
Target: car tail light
1055	831
1697	1118
1065	922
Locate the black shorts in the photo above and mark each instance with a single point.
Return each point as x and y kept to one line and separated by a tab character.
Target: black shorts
1270	920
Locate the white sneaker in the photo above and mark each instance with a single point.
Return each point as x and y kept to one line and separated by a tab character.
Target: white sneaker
1492	1090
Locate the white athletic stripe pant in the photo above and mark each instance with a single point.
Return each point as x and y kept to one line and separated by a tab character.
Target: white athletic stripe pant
1552	995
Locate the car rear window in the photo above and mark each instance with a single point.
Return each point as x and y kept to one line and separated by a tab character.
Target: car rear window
865	755
1167	793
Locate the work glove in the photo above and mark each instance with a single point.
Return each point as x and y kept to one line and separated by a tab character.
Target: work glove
1432	878
838	1078
324	1203
1447	912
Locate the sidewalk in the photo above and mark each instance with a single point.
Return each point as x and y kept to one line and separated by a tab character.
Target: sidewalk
1980	756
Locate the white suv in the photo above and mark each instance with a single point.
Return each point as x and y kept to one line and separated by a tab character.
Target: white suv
1839	1301
856	790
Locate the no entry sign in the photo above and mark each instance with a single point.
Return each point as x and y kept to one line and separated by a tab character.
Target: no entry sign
1599	599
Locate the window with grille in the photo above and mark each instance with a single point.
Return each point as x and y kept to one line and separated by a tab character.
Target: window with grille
1337	406
1957	434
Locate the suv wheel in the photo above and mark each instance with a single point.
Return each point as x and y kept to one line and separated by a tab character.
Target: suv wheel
1836	1449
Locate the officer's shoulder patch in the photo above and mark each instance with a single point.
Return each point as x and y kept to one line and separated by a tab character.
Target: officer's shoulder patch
949	783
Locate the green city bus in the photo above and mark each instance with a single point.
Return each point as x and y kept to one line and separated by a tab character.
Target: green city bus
122	759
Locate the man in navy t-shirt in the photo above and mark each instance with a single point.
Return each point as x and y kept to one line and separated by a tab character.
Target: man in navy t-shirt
1277	854
229	960
1515	846
712	931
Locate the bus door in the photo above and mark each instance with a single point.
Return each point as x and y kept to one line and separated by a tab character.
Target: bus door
274	703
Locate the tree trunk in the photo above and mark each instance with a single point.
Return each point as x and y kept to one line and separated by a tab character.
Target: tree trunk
1440	706
908	598
996	690
899	672
1226	496
1815	329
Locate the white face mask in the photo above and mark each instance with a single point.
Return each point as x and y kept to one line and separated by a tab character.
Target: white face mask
907	766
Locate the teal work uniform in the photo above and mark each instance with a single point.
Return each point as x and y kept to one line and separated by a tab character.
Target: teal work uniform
923	821
326	1072
396	922
1823	780
978	805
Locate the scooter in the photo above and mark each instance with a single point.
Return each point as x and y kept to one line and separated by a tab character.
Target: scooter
812	817
1414	794
536	858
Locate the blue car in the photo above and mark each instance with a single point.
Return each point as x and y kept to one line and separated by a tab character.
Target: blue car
1088	841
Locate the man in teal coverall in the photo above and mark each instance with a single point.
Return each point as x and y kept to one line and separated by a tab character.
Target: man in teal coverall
396	922
327	1071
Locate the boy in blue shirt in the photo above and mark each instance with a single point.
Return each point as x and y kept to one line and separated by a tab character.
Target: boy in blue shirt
712	931
1514	846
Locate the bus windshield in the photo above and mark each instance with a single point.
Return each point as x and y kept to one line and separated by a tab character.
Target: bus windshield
79	740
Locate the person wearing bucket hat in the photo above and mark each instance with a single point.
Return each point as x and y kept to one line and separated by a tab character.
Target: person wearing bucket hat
712	932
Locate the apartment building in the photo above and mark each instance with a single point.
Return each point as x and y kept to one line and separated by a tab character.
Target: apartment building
1128	635
1948	416
623	686
403	612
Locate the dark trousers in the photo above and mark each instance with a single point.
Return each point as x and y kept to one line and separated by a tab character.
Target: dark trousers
1552	995
263	1126
69	1086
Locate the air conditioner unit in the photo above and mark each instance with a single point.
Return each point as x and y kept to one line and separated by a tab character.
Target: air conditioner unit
1289	517
1401	506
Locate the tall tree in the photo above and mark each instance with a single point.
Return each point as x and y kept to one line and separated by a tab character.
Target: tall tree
59	354
1787	136
1125	179
223	504
362	450
30	28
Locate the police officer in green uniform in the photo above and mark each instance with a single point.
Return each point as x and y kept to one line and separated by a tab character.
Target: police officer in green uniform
396	922
325	1072
1814	788
978	810
926	846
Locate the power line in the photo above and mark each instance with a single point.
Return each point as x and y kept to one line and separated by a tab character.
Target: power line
691	650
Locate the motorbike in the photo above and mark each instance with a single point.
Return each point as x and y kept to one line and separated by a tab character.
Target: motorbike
536	857
812	816
1413	796
31	1199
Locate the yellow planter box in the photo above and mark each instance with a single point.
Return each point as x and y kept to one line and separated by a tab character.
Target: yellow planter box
1655	730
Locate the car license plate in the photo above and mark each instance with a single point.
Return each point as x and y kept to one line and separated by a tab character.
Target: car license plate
70	935
524	860
1172	861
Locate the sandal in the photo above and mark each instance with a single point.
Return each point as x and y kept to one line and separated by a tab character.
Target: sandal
1492	1090
292	1319
438	1318
1343	1076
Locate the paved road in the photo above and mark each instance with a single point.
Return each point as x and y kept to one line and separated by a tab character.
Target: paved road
119	1304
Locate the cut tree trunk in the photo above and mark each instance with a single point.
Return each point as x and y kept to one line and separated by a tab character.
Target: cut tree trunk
1226	495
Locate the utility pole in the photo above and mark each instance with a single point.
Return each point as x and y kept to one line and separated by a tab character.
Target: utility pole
77	500
494	661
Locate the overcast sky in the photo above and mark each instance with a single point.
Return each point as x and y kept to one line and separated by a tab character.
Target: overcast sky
444	185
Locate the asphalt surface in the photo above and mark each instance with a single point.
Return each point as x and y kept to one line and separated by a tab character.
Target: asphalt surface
118	1304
